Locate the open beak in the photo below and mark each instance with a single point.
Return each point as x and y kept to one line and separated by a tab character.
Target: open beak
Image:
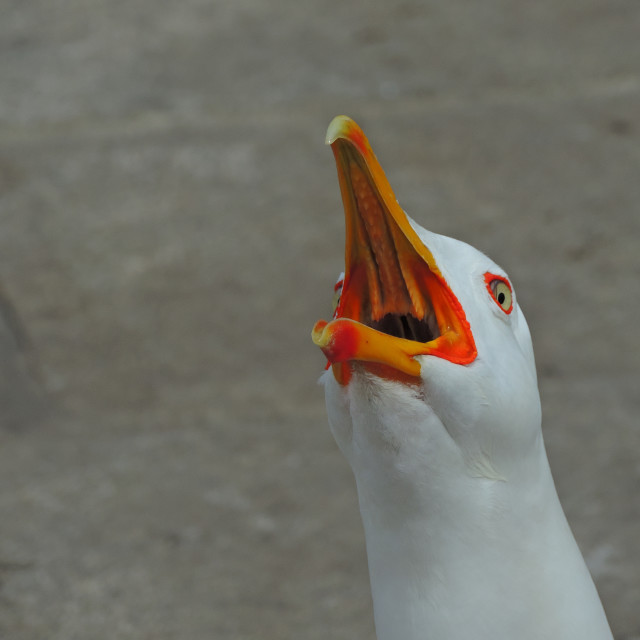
395	304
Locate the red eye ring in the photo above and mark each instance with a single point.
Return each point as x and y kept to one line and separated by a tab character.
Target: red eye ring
492	281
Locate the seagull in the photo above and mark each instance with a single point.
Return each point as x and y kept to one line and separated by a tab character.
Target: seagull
432	397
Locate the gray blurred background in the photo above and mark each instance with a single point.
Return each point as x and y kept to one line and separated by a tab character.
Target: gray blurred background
170	230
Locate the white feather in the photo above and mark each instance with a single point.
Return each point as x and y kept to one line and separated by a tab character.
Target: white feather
466	538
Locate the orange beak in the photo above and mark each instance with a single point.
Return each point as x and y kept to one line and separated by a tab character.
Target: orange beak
395	304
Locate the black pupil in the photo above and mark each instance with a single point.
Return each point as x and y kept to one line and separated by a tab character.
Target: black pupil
501	297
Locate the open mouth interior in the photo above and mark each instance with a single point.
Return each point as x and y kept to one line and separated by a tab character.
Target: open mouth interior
387	283
408	327
394	304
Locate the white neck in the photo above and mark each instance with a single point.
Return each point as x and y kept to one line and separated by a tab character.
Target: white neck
458	549
489	566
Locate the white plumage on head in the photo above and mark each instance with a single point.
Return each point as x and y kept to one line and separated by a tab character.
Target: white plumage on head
432	397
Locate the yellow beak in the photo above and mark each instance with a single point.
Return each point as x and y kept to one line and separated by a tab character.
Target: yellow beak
395	303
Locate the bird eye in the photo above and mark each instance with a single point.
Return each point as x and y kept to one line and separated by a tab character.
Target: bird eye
500	291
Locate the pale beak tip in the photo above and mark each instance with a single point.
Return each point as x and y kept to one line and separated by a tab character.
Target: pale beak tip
339	128
320	335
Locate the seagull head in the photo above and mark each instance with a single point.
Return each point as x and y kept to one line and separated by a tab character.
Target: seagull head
432	396
430	364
